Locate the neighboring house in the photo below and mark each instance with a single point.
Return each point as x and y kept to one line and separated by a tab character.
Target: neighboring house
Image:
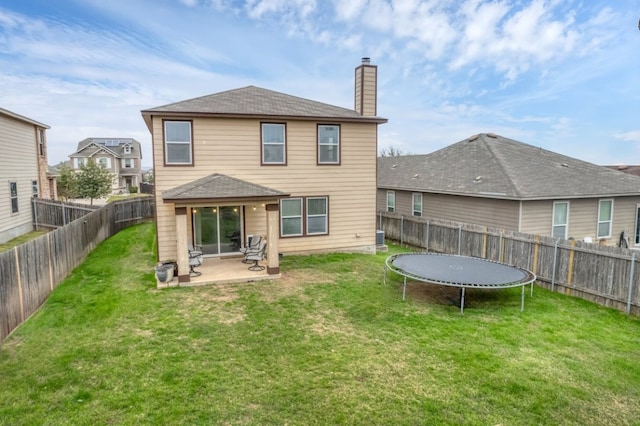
23	172
495	181
121	156
253	161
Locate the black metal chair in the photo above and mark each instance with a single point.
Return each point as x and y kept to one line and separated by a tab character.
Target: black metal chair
195	260
253	246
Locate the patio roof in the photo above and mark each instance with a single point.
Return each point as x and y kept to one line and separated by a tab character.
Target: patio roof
219	187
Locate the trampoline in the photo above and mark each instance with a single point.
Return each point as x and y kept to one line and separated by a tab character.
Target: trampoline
458	271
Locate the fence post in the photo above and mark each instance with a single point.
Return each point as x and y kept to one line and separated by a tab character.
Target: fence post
459	239
380	220
64	216
500	248
427	245
553	273
632	267
35	212
401	229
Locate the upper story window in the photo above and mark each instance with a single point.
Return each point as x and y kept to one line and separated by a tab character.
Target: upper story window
80	162
274	143
127	149
417	204
328	144
177	142
391	201
605	218
34	188
41	142
13	192
127	163
560	225
104	162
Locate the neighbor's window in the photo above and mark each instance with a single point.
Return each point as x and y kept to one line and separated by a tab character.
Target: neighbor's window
317	216
417	204
104	162
13	191
291	217
127	149
80	162
273	143
605	217
391	201
560	219
34	188
177	142
127	163
328	144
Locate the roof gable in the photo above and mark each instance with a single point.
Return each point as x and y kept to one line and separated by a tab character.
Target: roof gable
219	186
255	101
489	165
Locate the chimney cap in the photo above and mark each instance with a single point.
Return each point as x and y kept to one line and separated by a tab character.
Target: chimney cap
366	61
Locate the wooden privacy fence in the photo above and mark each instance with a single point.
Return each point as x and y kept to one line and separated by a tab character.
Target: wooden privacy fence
30	272
54	214
602	274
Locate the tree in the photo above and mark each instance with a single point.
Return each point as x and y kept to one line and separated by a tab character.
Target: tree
392	152
94	181
67	183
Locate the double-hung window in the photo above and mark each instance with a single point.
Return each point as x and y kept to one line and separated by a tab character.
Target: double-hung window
317	215
13	192
127	163
177	142
291	217
41	142
274	143
417	204
34	188
560	219
104	162
605	218
304	216
328	144
391	201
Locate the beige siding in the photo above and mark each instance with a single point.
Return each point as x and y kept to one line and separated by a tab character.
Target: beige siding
232	147
19	164
583	218
481	211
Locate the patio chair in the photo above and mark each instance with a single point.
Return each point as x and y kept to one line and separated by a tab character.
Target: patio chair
257	256
195	260
253	245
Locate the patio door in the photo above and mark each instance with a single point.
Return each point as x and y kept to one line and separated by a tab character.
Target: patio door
217	229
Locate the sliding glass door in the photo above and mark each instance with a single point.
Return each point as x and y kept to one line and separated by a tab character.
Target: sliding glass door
217	230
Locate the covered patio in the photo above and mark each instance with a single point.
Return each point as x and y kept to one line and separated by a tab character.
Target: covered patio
222	271
215	214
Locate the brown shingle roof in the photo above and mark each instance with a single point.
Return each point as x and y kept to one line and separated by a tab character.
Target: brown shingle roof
254	101
493	166
219	186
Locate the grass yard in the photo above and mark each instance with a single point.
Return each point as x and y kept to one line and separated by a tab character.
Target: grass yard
326	344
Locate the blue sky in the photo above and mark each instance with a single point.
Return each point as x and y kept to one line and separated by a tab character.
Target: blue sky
560	74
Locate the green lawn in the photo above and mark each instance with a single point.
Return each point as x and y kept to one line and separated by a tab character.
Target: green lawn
326	344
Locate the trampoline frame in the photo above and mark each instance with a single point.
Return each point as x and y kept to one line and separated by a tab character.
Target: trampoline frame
529	279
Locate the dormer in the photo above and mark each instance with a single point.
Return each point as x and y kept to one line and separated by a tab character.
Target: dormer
127	149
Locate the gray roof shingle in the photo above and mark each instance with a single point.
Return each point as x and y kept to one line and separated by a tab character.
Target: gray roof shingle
493	166
255	101
220	186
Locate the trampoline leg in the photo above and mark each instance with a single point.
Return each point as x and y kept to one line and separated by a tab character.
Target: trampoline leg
404	288
522	302
462	300
384	277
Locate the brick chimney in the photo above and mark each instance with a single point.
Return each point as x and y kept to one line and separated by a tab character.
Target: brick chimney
366	93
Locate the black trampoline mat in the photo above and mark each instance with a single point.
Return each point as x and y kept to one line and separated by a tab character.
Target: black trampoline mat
459	270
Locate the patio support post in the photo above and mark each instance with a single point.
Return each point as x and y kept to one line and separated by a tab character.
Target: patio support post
181	244
273	234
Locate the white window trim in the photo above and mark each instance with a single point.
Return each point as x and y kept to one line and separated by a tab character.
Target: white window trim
391	207
336	144
553	218
610	221
282	218
414	196
167	143
12	197
283	143
325	215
